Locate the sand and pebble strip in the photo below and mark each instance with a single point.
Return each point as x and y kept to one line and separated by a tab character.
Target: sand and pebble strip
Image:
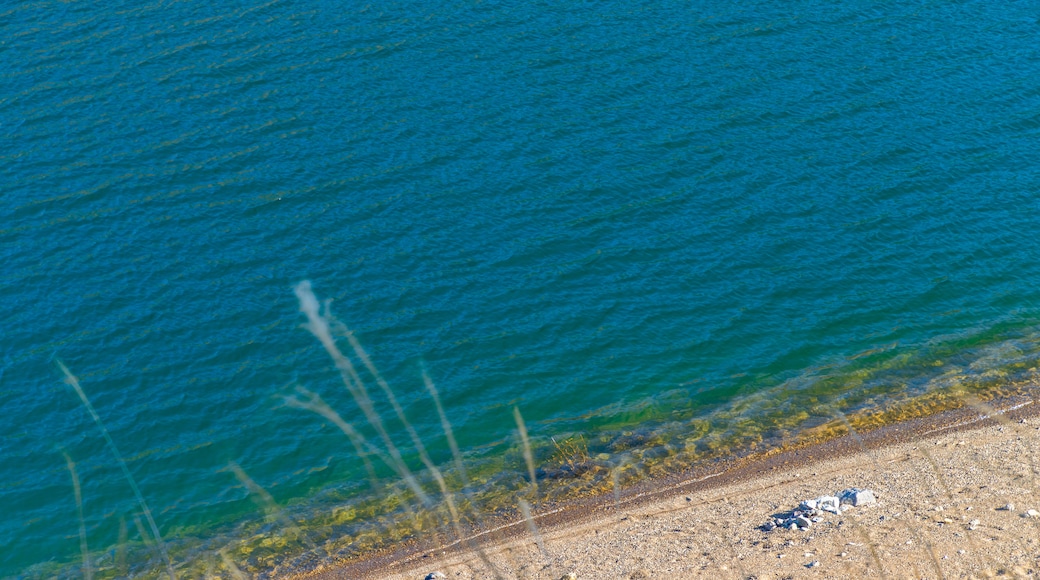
961	501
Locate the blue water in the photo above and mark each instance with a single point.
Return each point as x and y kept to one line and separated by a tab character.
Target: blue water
585	210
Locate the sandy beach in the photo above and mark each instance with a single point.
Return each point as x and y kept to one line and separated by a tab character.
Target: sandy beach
954	493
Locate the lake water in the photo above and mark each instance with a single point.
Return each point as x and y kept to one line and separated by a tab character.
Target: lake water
676	223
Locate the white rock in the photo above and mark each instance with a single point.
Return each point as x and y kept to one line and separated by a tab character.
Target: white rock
857	497
803	522
1009	507
829	503
1032	514
809	504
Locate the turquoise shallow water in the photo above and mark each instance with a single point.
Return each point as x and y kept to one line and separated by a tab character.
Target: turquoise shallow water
610	216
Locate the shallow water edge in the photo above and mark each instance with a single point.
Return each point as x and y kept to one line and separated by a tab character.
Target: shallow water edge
655	444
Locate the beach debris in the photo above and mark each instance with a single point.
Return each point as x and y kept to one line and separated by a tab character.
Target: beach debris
812	511
435	576
857	497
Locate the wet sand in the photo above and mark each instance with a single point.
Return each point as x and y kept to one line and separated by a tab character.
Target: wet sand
941	482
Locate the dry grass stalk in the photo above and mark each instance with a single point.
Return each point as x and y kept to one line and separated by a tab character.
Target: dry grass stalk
320	324
268	502
528	455
532	527
72	381
88	571
232	568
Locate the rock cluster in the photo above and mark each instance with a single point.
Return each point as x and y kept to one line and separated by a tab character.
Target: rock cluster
811	511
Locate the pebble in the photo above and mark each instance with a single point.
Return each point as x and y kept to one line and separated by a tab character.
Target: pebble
1009	507
1032	514
803	522
813	564
973	524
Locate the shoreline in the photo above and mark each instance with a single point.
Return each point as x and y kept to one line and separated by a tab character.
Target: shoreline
505	538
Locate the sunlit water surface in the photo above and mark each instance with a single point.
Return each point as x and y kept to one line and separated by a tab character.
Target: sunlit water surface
680	231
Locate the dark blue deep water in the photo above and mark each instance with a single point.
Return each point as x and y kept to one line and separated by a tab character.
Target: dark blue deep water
611	215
